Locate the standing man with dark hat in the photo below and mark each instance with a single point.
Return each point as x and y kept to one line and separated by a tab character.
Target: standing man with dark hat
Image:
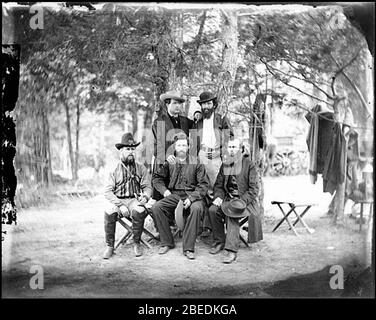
212	134
235	197
168	123
185	181
128	190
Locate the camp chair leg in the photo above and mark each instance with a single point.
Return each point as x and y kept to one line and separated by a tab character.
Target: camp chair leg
301	215
241	223
123	239
302	221
285	217
147	244
243	240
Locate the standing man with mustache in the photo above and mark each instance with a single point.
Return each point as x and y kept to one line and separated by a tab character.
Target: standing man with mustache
128	190
169	122
213	131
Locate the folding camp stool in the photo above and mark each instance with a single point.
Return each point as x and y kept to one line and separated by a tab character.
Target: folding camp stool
299	217
127	224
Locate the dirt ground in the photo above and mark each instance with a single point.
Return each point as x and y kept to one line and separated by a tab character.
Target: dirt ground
67	241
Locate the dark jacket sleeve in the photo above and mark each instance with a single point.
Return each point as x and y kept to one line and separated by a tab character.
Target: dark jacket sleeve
219	190
250	196
159	177
109	191
202	184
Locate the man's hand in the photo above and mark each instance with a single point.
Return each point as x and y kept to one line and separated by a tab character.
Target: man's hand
167	193
186	203
171	159
142	199
218	202
124	211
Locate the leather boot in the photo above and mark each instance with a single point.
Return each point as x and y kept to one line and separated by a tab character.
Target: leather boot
138	219
109	230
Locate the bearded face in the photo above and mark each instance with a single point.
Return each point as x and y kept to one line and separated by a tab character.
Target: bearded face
127	155
181	148
207	109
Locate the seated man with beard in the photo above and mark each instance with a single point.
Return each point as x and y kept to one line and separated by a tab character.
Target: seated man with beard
185	180
235	196
128	190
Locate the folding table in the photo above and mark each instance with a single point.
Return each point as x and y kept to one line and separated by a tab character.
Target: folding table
299	217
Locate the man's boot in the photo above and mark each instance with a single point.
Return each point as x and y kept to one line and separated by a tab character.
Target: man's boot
138	219
109	230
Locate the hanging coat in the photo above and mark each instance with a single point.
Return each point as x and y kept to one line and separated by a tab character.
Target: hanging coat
335	166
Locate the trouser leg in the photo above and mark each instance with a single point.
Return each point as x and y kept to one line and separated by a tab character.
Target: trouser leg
109	228
232	236
163	212
217	222
192	225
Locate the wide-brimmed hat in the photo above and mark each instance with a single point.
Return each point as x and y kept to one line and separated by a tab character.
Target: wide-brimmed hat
127	141
179	219
206	96
176	95
235	208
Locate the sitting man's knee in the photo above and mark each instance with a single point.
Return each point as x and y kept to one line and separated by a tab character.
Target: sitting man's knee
111	210
197	206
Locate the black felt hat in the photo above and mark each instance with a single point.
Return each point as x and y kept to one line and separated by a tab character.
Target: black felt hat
127	141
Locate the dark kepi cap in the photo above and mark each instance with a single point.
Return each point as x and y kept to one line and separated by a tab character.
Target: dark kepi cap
127	141
235	208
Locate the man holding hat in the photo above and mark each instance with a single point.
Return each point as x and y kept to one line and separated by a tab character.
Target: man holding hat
235	196
128	190
184	181
212	134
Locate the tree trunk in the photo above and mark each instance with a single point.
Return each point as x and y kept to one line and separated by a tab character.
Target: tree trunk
226	77
45	155
175	80
77	153
339	214
69	138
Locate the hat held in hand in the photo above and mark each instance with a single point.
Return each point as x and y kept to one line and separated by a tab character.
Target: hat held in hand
235	208
127	141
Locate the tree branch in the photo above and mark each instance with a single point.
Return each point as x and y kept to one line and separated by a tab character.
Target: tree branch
352	84
290	85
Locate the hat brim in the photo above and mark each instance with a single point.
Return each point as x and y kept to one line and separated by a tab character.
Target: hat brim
179	219
121	145
226	210
171	96
206	100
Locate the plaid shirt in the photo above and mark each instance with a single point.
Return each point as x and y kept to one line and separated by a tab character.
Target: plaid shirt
127	182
